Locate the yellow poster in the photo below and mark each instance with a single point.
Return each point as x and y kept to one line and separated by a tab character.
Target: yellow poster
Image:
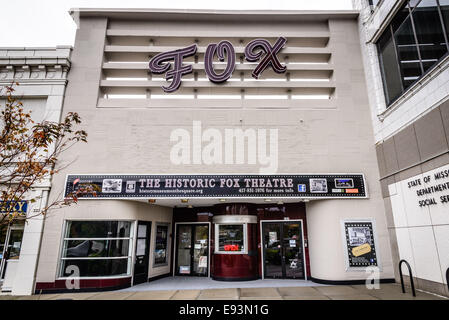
361	250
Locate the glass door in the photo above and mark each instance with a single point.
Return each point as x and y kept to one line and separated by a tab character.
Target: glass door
192	252
283	250
272	250
12	246
200	250
293	250
184	246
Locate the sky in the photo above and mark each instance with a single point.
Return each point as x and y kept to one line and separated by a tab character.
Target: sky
46	23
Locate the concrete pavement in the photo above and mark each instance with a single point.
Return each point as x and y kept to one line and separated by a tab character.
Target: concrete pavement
354	292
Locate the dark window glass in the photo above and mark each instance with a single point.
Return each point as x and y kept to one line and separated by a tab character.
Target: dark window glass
390	69
230	238
400	17
96	267
96	248
407	49
444	5
429	31
98	229
160	252
14	244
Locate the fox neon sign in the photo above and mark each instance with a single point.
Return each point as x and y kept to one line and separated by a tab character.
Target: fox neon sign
224	50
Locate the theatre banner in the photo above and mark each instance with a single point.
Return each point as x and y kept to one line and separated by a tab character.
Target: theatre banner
219	186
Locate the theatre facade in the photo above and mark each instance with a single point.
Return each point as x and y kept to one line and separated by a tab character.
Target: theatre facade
235	145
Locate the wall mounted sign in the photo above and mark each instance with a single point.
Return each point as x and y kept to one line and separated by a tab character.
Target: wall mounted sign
161	63
360	244
217	186
430	188
13	207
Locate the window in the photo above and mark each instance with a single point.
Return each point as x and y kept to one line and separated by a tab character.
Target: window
160	251
97	248
410	46
388	58
430	36
230	238
407	51
444	6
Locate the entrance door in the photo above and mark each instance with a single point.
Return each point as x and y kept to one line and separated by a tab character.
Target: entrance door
283	250
192	250
142	252
10	245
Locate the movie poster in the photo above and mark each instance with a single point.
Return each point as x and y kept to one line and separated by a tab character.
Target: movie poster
360	245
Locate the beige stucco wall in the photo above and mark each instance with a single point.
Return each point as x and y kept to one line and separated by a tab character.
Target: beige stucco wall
326	238
328	136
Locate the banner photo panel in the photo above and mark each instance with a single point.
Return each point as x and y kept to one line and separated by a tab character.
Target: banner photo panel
218	186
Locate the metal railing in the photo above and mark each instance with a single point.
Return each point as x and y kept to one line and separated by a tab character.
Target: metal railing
411	276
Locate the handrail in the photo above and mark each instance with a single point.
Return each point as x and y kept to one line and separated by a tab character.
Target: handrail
411	276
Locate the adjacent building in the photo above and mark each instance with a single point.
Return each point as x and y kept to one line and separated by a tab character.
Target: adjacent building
42	77
405	53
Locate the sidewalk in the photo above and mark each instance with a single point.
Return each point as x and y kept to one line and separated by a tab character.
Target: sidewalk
355	292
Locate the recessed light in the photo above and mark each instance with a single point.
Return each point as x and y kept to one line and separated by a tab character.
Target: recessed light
184	200
267	200
152	200
222	200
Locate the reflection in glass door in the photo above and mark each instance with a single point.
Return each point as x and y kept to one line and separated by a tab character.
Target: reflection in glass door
184	244
11	246
293	251
283	250
192	251
273	252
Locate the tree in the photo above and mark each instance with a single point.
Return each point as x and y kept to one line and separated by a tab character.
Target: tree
29	152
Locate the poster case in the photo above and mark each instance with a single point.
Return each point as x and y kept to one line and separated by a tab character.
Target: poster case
360	244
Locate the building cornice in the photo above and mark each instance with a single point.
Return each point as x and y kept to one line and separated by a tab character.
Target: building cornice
30	64
215	15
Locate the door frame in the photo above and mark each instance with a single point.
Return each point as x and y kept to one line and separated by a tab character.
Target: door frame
262	245
175	245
